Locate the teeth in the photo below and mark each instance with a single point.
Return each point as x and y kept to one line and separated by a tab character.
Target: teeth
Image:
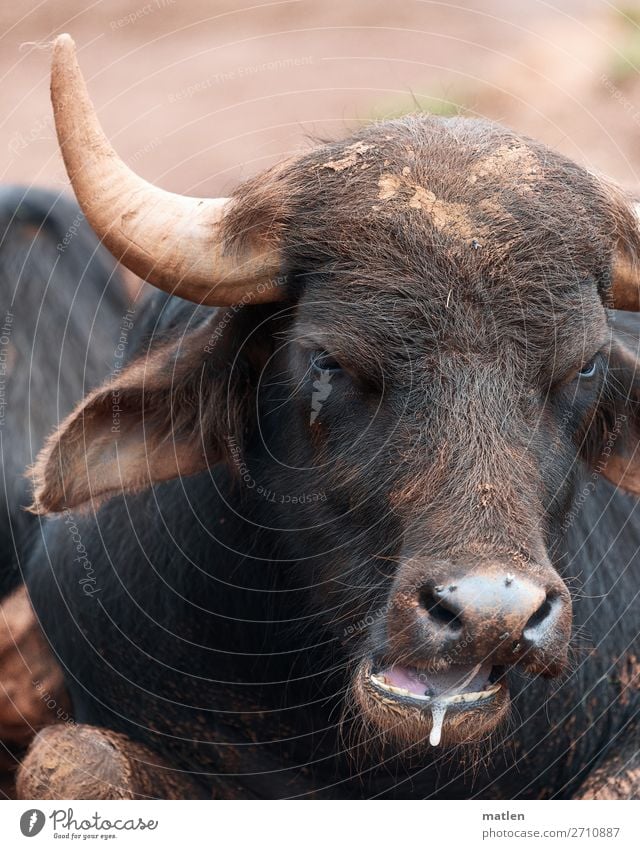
458	698
471	697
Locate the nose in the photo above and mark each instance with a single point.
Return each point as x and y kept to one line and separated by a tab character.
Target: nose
495	615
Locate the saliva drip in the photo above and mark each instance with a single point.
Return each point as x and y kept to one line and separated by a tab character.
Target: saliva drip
438	711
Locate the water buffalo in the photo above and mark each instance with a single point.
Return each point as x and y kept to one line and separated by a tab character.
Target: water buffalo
359	515
61	302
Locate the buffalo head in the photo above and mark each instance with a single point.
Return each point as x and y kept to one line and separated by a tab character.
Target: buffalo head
417	358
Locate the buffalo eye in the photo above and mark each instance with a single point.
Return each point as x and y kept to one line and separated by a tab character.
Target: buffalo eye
589	369
322	362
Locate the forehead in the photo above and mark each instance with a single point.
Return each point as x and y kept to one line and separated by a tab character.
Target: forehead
439	229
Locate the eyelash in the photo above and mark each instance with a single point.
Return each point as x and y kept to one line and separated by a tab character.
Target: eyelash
589	369
321	361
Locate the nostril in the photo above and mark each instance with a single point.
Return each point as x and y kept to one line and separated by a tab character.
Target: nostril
536	621
539	616
439	610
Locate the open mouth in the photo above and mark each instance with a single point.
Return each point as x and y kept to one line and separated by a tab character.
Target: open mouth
458	689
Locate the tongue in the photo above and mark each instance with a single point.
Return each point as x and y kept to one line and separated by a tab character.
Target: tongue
457	679
408	679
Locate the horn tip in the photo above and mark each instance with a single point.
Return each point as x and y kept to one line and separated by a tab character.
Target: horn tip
63	64
64	43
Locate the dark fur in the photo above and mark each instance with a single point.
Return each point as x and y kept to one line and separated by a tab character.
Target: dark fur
458	273
65	307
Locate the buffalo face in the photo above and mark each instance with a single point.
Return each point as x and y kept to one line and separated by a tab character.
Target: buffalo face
447	374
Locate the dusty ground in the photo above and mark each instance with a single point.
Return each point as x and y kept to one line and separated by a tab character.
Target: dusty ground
196	94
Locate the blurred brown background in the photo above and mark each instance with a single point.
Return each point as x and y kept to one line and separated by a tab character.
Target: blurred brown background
196	94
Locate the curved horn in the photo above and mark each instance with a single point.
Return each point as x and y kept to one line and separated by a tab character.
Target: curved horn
625	277
173	241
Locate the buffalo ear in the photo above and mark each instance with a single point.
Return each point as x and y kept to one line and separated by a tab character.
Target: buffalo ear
619	459
170	413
